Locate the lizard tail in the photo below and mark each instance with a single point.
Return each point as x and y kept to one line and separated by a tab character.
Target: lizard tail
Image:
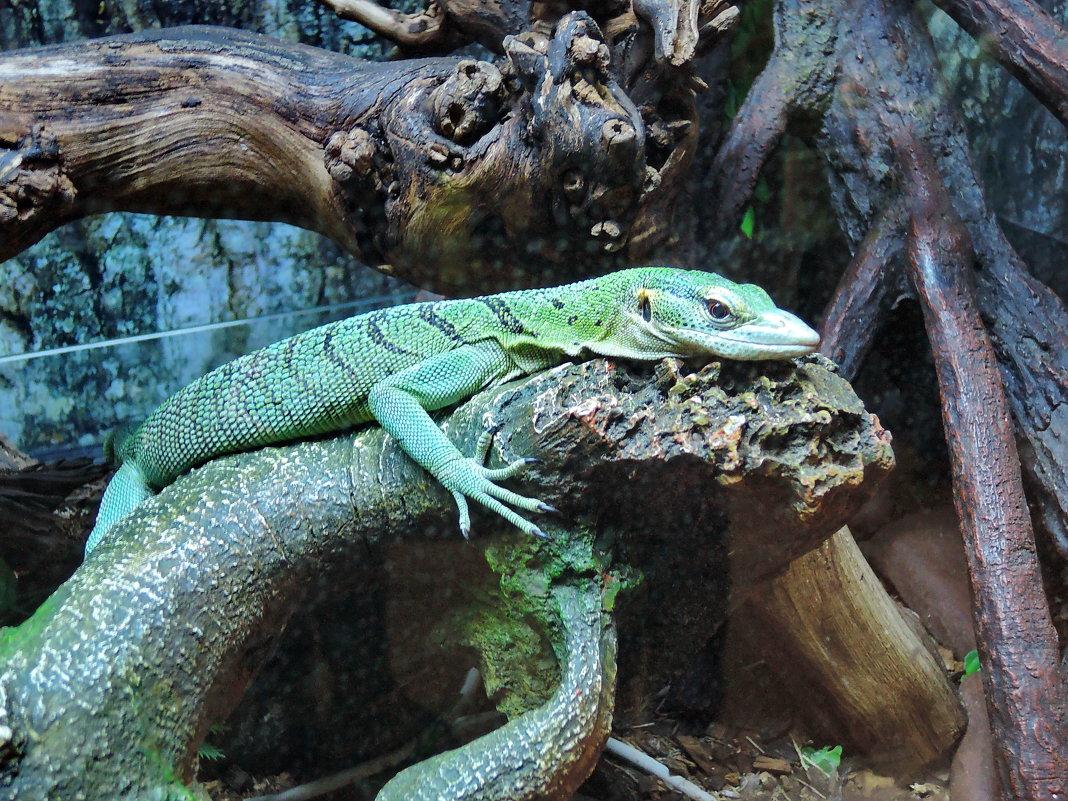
126	490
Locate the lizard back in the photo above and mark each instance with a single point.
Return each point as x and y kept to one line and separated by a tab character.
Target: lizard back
312	383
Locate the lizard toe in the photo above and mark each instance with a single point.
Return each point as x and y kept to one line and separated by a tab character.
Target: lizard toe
511	516
508	471
514	498
465	514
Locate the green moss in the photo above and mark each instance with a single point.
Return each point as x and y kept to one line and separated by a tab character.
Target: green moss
14	639
517	666
517	632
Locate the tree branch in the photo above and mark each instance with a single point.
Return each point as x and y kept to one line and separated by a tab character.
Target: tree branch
1016	638
799	75
158	633
423	31
1024	39
888	94
854	313
1027	321
440	170
202	121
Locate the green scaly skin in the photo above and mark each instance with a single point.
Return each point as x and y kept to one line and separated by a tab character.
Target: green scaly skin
395	365
545	753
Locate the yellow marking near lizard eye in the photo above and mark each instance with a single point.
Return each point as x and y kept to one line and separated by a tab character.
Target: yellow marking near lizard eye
645	304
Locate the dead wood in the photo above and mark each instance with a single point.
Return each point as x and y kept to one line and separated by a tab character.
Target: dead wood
869	678
671	34
444	178
1025	39
205	575
440	170
797	78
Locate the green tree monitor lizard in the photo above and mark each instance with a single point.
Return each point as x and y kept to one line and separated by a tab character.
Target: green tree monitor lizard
397	364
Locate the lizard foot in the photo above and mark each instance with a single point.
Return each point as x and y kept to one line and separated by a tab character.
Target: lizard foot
469	479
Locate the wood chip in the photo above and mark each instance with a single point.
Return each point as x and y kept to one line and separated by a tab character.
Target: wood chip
773	765
699	752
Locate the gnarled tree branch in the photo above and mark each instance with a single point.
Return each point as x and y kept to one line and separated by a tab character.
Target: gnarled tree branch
439	169
169	618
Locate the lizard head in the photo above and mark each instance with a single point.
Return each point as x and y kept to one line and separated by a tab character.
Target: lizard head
671	312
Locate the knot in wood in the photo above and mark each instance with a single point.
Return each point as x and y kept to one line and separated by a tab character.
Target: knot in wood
586	51
622	145
466	105
610	234
350	154
576	47
617	133
437	155
574	185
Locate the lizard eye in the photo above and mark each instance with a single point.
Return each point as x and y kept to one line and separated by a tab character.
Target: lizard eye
719	311
645	309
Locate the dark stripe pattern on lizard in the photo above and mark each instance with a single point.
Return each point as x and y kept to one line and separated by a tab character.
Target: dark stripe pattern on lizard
396	365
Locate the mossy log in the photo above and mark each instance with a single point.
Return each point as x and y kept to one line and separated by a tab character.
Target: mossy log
109	689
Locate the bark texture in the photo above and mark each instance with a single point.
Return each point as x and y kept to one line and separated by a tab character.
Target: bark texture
885	92
204	576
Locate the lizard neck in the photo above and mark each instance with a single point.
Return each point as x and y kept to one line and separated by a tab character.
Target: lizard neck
558	323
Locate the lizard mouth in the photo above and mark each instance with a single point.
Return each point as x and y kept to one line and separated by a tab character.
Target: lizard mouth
777	334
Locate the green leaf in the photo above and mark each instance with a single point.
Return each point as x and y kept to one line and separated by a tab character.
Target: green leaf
210	752
971	663
730	106
825	759
749	222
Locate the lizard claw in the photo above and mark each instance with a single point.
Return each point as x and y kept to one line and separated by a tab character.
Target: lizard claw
472	481
465	514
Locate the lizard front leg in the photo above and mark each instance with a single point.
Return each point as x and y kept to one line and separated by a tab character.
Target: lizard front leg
401	402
